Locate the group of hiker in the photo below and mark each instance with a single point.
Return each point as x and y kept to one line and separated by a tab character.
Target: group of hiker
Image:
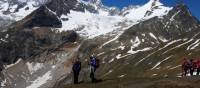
93	63
190	66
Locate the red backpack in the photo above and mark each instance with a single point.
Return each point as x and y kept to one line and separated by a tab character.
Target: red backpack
198	64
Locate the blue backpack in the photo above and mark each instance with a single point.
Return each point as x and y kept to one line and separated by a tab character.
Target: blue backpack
95	62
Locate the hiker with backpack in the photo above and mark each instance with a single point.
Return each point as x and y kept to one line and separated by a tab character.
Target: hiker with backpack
198	67
185	67
76	70
191	66
94	64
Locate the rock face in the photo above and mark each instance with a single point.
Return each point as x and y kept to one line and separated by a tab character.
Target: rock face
178	22
62	6
33	33
26	43
4	23
42	17
31	47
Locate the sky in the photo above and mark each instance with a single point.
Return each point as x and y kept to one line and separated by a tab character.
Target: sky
193	5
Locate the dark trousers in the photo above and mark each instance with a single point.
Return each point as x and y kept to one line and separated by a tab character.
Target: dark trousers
92	74
198	71
185	71
191	71
76	74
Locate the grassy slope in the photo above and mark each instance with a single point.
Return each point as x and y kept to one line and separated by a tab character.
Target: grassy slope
190	82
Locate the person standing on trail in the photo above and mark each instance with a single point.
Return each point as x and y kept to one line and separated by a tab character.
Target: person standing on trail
185	67
76	69
198	67
94	64
191	65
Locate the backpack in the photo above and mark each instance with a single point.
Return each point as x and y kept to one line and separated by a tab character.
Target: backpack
190	65
76	66
95	62
186	64
198	64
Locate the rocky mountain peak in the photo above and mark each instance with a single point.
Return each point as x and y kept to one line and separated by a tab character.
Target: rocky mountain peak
97	2
183	8
42	17
153	5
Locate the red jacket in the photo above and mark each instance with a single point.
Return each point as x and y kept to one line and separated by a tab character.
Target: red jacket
195	64
198	64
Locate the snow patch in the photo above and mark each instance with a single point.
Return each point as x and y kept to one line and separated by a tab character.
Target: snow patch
90	24
122	47
135	44
11	65
100	54
152	35
143	35
121	76
193	45
7	35
115	38
163	39
170	43
54	66
172	18
33	67
3	83
3	40
111	60
53	13
139	13
110	71
175	67
196	45
145	57
143	40
154	74
23	12
41	80
160	62
118	56
179	45
134	52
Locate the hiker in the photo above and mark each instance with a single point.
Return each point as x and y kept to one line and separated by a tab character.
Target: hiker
191	65
76	69
195	65
185	66
94	64
198	67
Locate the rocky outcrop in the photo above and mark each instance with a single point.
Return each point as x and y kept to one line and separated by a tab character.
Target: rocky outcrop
62	6
26	43
177	22
42	17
